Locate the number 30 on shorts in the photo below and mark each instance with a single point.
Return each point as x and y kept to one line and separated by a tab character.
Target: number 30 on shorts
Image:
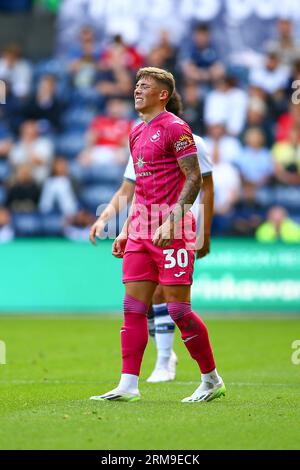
181	258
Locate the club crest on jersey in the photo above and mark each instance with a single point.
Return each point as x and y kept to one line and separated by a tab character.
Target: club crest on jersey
155	137
183	142
140	162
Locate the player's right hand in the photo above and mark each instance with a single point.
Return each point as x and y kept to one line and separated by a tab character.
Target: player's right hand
96	230
118	247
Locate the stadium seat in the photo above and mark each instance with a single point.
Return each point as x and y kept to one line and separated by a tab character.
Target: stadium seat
52	224
70	144
92	196
4	170
58	69
50	66
78	118
27	225
86	97
265	196
2	195
105	174
288	197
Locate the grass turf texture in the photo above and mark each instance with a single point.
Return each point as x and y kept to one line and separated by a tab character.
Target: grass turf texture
54	364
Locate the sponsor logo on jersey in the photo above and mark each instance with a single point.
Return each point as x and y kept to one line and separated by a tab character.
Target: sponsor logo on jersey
183	142
179	274
144	173
155	137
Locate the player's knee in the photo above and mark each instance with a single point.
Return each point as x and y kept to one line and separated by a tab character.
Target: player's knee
178	310
132	305
158	296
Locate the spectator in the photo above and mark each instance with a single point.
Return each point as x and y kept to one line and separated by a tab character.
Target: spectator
255	161
287	121
163	54
6	230
45	107
77	227
16	71
248	214
23	193
226	103
107	137
286	156
114	77
193	107
227	188
5	141
278	226
117	52
156	58
295	78
221	146
285	44
257	117
34	150
272	77
58	193
83	59
200	61
11	111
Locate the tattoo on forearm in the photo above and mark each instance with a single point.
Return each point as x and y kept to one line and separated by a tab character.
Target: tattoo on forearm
190	167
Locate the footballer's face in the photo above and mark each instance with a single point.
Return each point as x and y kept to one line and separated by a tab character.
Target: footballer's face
148	94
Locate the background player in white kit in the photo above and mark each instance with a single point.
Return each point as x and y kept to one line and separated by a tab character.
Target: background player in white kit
163	328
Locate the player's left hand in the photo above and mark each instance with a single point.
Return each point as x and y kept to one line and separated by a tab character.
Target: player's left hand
118	247
164	235
204	251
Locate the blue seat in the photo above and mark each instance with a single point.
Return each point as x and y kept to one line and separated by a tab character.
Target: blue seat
70	144
288	197
104	174
92	196
2	195
265	196
86	97
57	68
78	118
27	225
52	224
5	170
50	66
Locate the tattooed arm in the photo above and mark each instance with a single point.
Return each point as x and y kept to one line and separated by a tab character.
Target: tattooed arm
191	170
190	167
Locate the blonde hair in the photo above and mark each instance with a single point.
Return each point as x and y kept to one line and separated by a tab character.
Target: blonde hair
160	75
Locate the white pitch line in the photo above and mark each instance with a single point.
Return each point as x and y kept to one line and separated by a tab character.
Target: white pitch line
88	382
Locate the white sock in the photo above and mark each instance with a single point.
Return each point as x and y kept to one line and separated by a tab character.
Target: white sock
129	383
151	328
164	335
213	377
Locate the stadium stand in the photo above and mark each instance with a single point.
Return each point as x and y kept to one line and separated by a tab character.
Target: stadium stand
236	89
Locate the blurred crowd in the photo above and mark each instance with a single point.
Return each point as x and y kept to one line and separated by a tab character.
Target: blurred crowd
65	123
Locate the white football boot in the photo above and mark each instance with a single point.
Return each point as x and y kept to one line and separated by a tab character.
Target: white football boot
172	365
118	395
206	391
165	374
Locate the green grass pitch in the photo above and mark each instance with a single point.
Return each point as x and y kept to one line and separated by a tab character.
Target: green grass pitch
54	364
